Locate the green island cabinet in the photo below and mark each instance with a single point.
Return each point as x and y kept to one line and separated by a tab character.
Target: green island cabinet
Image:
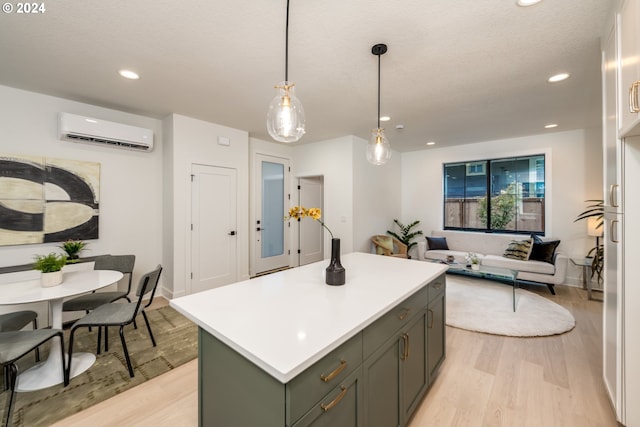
378	377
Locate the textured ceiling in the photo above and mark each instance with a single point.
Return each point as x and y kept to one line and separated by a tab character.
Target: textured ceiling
456	71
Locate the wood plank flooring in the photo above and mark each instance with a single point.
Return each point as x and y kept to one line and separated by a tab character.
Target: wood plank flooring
486	380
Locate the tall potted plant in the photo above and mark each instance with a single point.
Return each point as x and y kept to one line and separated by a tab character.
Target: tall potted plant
51	267
595	210
406	235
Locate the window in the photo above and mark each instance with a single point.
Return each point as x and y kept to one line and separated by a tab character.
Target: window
504	195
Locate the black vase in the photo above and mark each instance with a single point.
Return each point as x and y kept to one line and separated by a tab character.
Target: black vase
335	273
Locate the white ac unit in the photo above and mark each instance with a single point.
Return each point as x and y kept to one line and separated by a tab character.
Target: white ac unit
76	128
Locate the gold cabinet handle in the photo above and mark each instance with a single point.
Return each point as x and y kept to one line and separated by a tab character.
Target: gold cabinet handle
612	195
332	375
612	230
437	285
634	105
404	314
405	350
335	401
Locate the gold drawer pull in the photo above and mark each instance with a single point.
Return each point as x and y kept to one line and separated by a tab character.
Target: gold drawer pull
332	375
335	401
405	350
404	314
437	285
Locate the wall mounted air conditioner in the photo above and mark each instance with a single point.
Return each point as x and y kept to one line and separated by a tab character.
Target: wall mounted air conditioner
76	128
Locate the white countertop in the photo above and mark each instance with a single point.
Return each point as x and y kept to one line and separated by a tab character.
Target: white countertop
284	322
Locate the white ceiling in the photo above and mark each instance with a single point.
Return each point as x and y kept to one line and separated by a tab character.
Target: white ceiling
456	71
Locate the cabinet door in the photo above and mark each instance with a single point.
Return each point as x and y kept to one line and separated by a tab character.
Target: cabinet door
415	377
629	65
436	343
381	382
341	407
611	145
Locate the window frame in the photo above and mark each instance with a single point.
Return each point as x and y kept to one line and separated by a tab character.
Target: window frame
487	171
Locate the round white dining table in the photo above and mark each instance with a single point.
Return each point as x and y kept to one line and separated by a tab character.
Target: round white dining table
48	373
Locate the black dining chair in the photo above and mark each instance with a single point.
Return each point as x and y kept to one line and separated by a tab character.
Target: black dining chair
88	302
119	314
14	322
14	345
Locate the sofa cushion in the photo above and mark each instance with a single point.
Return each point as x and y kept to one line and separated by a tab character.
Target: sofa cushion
543	250
518	249
520	265
437	243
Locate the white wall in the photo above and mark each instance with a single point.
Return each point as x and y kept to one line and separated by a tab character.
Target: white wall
130	182
376	196
574	174
331	159
191	142
360	199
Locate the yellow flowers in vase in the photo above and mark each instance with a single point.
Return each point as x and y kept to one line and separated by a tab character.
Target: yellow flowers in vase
298	212
335	274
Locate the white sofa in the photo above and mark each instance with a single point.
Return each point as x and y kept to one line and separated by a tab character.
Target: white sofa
490	247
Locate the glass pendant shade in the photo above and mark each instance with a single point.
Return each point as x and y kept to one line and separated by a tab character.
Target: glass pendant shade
285	118
378	148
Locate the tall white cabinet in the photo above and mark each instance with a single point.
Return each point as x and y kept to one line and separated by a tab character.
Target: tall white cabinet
621	150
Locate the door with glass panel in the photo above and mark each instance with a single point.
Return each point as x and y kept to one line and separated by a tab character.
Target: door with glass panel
272	231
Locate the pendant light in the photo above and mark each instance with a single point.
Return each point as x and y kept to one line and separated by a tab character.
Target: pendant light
285	118
378	148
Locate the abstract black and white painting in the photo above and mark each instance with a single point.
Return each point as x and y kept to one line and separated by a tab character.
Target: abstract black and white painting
47	200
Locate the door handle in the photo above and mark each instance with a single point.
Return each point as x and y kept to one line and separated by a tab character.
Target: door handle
259	229
232	233
613	231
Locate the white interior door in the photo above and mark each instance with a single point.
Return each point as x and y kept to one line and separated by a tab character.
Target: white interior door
310	234
213	227
272	232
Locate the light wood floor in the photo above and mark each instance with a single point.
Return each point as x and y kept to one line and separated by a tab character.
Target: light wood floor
486	380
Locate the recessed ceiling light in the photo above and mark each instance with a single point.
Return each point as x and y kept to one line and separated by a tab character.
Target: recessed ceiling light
525	3
559	77
431	143
385	118
128	74
551	126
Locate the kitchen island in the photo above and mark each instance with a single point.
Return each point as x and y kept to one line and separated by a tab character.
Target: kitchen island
287	350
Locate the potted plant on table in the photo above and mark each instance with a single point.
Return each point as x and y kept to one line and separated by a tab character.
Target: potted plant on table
473	260
73	249
51	267
406	235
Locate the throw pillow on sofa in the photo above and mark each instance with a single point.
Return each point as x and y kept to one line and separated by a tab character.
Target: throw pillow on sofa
543	250
518	249
437	243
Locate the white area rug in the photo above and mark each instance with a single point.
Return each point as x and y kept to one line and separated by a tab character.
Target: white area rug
485	306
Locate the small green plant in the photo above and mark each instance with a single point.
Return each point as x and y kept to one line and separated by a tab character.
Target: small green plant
49	263
73	249
406	234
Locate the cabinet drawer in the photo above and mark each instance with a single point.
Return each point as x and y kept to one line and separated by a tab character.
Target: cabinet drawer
382	329
340	407
436	287
310	386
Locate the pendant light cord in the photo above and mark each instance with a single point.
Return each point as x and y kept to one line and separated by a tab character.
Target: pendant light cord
379	91
286	47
